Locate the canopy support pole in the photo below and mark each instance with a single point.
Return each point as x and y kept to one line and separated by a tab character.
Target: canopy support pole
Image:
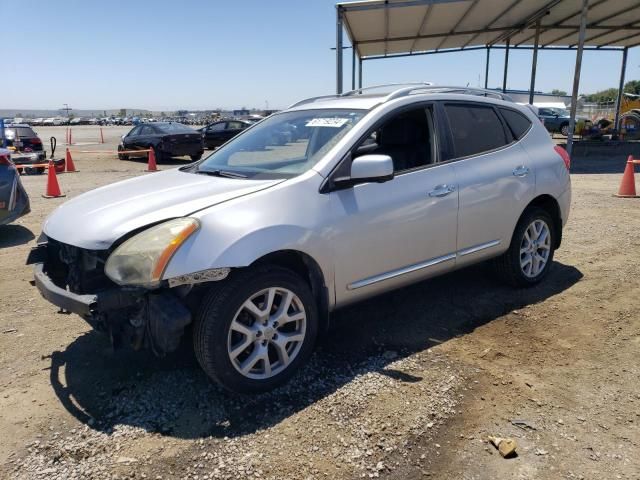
623	71
534	63
506	66
353	67
359	72
486	68
338	49
576	75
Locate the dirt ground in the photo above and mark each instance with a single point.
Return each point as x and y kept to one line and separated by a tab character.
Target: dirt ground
404	386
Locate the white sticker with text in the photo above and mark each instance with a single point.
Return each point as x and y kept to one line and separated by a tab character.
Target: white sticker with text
326	122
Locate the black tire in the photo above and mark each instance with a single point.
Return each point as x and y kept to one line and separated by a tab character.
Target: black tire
564	129
197	157
160	155
217	311
122	156
507	266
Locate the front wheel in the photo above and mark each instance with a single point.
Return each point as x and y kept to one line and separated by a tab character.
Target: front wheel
531	250
122	156
255	330
564	130
197	157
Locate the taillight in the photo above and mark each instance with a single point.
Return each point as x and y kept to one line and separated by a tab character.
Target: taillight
35	140
564	155
5	160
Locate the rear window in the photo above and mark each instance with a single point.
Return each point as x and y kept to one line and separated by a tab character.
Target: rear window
23	132
175	128
518	123
475	129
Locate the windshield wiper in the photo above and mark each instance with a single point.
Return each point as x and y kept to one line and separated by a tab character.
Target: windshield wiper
221	173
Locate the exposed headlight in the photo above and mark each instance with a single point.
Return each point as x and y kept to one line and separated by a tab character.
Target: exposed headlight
142	259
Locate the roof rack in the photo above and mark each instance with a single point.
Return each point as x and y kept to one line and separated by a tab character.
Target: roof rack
413	89
483	92
375	87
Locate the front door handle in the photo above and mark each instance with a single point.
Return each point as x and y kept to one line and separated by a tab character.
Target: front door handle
442	191
521	171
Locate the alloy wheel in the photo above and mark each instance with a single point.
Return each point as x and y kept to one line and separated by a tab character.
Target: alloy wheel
267	333
535	248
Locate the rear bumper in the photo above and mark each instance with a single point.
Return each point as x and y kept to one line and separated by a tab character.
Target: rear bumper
183	149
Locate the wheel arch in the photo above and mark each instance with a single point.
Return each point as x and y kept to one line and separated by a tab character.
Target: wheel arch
308	268
551	206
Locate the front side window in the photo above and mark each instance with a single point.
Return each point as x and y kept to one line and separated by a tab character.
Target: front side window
475	129
283	145
407	138
217	127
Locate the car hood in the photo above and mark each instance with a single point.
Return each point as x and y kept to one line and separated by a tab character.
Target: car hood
96	219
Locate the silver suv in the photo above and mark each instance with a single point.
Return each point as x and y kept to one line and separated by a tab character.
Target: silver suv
256	244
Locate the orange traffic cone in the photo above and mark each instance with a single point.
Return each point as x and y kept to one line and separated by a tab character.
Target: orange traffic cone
53	189
152	167
69	167
101	136
628	184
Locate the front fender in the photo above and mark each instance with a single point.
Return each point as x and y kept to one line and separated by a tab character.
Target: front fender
235	234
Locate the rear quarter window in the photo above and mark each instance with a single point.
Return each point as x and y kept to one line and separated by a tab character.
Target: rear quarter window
517	122
475	129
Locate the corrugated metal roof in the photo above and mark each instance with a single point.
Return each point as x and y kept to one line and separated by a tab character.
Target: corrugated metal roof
395	27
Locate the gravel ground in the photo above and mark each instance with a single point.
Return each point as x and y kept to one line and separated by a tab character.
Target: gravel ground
407	385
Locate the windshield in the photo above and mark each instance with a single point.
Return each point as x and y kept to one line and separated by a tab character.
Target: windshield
283	145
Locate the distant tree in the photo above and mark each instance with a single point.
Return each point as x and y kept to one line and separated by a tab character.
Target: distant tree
123	112
555	91
162	114
610	94
632	86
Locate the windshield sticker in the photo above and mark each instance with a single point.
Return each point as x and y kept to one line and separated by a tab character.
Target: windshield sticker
327	122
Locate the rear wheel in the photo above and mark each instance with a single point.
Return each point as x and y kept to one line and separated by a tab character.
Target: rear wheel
197	157
255	330
531	250
564	129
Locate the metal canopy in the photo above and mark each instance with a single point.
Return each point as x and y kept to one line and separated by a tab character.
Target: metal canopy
399	28
383	28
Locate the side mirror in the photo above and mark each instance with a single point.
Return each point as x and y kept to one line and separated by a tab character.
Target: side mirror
367	168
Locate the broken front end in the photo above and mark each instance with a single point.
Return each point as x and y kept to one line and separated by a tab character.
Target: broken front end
74	279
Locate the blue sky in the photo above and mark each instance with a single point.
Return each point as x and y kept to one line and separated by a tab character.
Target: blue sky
198	54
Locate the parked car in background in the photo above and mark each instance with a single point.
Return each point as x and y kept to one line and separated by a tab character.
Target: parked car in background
167	139
556	120
217	133
14	201
79	121
23	139
256	244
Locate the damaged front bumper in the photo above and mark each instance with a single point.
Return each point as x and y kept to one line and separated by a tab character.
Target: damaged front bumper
142	318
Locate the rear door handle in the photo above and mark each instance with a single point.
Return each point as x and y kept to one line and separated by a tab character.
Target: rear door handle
521	171
442	191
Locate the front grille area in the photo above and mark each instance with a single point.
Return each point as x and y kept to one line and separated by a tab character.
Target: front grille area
79	269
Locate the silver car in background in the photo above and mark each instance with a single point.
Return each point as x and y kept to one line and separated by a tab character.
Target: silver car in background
257	243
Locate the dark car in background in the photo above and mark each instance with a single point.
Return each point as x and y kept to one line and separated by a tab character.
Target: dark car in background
14	201
168	140
556	120
21	138
217	133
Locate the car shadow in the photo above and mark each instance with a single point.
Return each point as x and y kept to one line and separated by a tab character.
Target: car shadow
172	396
14	235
